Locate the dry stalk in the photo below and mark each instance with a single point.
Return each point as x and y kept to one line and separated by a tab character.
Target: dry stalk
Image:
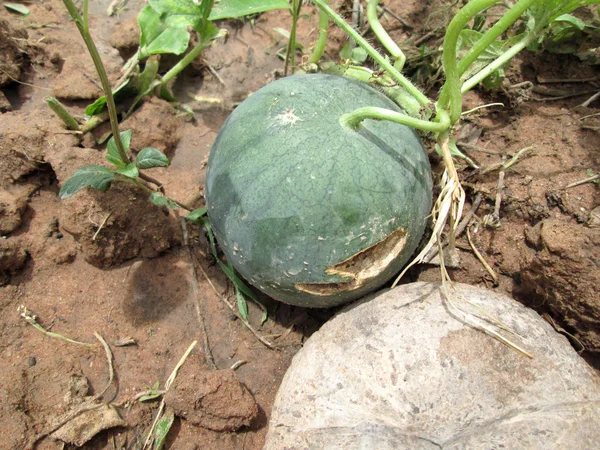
237	314
199	310
446	210
482	259
168	384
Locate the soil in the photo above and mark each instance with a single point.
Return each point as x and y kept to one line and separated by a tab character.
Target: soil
114	264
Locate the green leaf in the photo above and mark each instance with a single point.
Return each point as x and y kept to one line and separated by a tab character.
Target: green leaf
161	200
242	305
546	11
113	155
17	7
184	13
153	393
156	37
130	171
151	157
227	9
119	93
196	215
162	428
577	23
237	282
98	177
211	237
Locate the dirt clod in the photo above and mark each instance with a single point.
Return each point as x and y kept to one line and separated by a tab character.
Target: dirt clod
126	37
24	140
11	211
12	258
12	52
78	80
112	228
564	275
212	399
154	125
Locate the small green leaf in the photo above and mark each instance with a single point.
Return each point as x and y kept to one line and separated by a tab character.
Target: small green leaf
182	14
156	37
130	171
211	237
113	154
151	157
162	428
98	177
241	303
161	200
98	106
196	215
166	94
151	396
238	8
577	23
17	7
237	282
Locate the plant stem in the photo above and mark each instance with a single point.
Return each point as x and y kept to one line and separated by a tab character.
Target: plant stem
497	63
322	40
354	119
82	26
290	52
383	36
62	112
510	17
173	72
450	97
150	191
384	63
186	60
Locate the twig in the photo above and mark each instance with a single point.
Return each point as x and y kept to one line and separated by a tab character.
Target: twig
575	94
205	342
425	37
481	258
101	225
398	18
477	108
482	327
590	100
565	80
166	388
478	148
31	319
522	85
237	314
111	369
214	72
493	220
587	180
505	165
461	226
241	362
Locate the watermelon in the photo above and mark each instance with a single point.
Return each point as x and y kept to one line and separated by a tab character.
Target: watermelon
308	211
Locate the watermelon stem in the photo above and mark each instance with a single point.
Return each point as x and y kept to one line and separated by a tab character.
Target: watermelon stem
354	119
383	36
322	40
450	97
382	61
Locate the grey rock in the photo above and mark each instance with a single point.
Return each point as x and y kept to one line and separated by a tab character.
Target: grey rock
402	370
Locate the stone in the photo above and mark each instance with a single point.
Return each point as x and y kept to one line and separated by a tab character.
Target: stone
402	370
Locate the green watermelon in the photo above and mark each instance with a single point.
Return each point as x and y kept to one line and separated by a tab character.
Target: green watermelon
308	211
